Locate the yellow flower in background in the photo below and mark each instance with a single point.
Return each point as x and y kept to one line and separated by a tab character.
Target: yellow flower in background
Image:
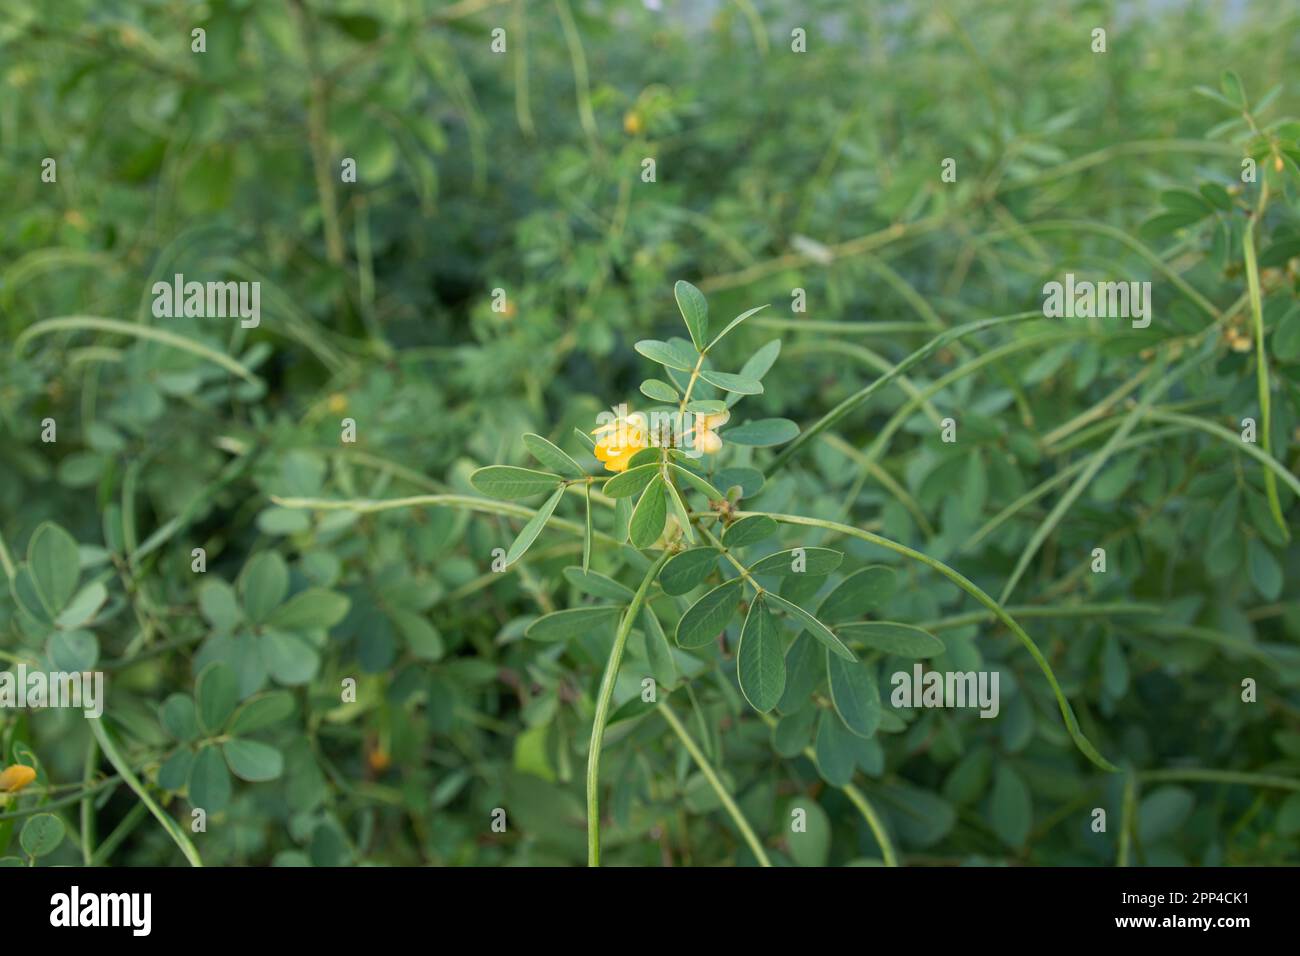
621	439
13	779
706	438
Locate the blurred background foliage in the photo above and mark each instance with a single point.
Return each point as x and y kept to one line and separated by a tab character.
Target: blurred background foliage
522	171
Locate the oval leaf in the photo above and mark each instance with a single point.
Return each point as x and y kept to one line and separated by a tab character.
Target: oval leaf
760	663
510	482
709	616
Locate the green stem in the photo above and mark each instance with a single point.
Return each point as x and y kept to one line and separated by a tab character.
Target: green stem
1261	374
469	502
874	822
1128	814
858	398
603	699
124	770
1081	741
1193	775
88	804
728	802
1055	610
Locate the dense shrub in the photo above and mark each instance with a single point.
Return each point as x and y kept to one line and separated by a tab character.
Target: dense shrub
369	661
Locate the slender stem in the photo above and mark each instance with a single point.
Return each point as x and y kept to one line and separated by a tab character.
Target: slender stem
874	822
1033	610
602	709
119	763
469	502
88	804
6	561
1128	812
1261	374
1195	775
701	761
855	400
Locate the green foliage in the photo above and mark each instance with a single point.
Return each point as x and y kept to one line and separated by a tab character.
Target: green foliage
383	640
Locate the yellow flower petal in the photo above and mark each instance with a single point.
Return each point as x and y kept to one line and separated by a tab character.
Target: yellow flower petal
13	779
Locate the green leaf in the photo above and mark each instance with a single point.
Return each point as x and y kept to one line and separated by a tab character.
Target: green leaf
706	406
763	432
253	761
685	571
709	616
1230	84
901	640
760	661
1286	337
814	627
28	596
1186	201
810	561
55	566
421	637
630	482
1288	816
695	310
1265	571
750	529
622	518
209	786
262	711
264	582
670	354
649	516
179	717
85	605
808	831
219	606
805	668
732	383
598	585
511	483
836	750
73	651
1217	196
309	610
792	732
859	593
572	622
41	834
748	480
216	693
175	770
289	658
659	391
696	482
733	323
855	694
1011	810
552	457
761	362
658	652
1162	812
680	512
533	527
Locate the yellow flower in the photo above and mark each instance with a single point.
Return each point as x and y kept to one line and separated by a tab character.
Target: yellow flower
706	439
621	439
632	123
13	779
